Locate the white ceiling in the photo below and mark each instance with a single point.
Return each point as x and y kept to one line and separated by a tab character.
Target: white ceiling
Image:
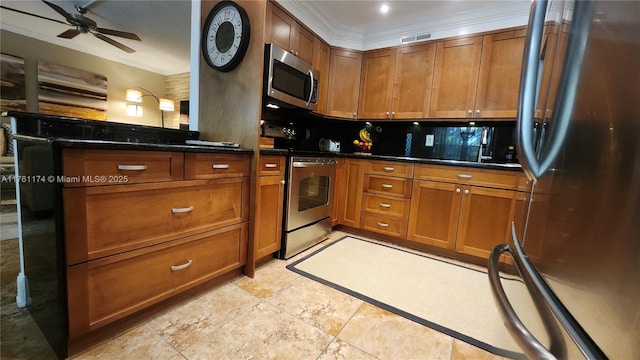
164	25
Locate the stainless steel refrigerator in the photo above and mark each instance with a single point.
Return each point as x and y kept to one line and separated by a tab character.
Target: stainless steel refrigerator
577	243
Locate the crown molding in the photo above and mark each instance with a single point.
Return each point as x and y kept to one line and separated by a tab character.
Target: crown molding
439	25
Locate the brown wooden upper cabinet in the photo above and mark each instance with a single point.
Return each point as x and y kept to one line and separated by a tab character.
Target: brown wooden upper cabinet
478	77
321	58
344	83
284	31
396	83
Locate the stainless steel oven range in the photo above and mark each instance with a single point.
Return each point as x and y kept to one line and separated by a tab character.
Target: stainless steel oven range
309	202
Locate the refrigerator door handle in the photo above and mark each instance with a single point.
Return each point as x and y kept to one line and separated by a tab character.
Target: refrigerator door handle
532	348
528	89
533	164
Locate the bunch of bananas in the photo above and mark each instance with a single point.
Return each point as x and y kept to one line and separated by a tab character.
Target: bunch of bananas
364	143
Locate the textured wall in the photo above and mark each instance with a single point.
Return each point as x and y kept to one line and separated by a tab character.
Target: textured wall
230	102
176	89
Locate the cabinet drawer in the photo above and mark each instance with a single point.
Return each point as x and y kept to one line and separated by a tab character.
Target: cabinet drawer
387	185
462	175
387	205
271	165
108	289
384	224
390	168
90	167
210	166
114	219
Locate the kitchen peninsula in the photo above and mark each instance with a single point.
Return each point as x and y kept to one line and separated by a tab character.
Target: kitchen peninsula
142	218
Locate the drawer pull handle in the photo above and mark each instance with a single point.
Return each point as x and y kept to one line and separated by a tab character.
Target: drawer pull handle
381	224
464	176
180	267
132	167
387	186
388	168
385	205
270	166
220	166
181	210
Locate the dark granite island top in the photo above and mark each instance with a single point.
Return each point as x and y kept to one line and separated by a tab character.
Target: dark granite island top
94	134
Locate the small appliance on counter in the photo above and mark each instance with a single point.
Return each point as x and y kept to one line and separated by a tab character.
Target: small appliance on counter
329	145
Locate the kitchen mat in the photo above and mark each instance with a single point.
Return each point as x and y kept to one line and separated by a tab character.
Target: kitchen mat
444	295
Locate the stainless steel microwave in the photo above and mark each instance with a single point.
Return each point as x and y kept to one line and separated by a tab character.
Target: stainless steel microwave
289	81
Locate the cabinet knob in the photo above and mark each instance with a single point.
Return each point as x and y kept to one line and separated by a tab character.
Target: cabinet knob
282	182
393	113
477	113
293	51
469	113
354	115
387	114
458	191
466	192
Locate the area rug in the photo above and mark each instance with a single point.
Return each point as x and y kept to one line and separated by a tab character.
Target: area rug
448	297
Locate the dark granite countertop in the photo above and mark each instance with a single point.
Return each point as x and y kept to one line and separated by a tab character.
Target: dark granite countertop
494	166
124	145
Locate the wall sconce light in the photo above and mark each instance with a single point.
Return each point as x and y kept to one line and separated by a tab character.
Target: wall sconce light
137	95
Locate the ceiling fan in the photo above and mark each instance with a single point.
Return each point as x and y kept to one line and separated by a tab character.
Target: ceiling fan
85	25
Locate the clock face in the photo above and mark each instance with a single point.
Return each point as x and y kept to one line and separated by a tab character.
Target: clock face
225	36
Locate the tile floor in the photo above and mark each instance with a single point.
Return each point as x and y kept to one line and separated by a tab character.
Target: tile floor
281	315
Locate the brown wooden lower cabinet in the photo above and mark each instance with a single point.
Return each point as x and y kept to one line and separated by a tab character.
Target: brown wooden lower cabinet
468	219
104	290
350	194
268	223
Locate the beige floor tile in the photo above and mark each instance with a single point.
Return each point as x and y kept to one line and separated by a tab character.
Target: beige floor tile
269	278
265	332
323	307
186	324
138	343
389	336
464	351
339	350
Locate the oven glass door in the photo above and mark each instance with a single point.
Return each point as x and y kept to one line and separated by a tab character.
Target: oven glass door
313	192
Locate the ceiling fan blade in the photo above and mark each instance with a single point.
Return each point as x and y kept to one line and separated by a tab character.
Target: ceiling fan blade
114	43
122	34
70	34
61	11
38	16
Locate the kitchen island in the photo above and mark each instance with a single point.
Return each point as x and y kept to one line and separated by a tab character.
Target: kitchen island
119	221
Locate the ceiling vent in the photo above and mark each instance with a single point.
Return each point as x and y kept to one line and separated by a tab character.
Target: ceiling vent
410	39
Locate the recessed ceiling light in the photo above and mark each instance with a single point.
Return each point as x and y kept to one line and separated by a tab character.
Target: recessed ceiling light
384	8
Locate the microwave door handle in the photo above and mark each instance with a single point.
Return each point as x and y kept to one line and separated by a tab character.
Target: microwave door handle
310	89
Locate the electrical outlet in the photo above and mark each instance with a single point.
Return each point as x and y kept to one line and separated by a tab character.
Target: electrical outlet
428	141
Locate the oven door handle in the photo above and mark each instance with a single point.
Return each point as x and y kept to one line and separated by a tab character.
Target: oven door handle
304	164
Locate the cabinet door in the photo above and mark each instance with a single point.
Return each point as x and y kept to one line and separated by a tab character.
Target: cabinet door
281	28
433	218
413	81
499	79
377	84
321	57
269	215
351	200
344	82
485	219
304	46
456	77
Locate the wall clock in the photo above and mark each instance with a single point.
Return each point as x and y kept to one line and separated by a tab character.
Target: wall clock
225	36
